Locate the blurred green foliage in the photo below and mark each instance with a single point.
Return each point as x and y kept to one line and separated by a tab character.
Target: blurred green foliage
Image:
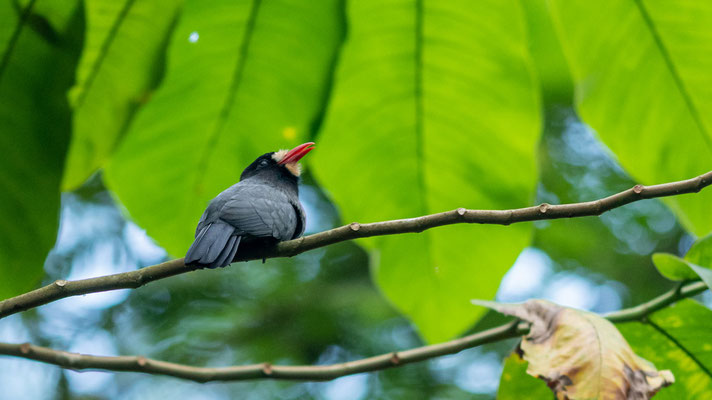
644	87
515	382
242	78
418	125
122	61
38	54
677	337
697	263
416	106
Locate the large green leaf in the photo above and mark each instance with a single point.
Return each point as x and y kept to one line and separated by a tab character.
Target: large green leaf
677	338
55	14
547	55
36	69
434	108
243	78
121	62
642	82
9	14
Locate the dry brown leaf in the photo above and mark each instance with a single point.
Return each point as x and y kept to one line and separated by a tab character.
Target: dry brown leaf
581	355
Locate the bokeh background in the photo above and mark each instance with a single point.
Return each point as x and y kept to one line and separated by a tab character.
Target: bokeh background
107	107
321	307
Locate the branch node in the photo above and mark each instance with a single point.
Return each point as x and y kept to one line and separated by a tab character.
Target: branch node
355	226
461	211
138	279
638	189
599	207
141	361
267	369
395	359
510	217
61	283
25	348
544	207
700	184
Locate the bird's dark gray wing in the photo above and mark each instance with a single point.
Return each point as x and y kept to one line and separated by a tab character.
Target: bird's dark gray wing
201	223
258	212
214	246
301	220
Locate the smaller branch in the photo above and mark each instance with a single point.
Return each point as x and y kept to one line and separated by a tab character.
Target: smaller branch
134	279
77	361
510	330
61	288
640	311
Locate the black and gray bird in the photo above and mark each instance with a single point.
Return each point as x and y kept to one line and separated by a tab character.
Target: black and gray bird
262	209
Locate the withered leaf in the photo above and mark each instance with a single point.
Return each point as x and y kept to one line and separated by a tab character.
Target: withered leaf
580	354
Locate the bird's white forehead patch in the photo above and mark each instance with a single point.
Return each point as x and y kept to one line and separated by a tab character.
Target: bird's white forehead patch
279	155
294	168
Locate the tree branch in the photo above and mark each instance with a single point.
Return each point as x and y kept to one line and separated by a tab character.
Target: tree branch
510	330
638	312
134	279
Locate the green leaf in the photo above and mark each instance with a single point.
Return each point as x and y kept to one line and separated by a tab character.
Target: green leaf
8	13
121	63
677	338
696	264
36	69
516	384
644	86
552	70
701	252
699	259
704	273
54	14
673	267
430	113
243	78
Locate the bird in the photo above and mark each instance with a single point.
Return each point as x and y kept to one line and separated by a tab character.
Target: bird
262	209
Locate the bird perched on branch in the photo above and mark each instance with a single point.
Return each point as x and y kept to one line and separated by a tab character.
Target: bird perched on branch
263	208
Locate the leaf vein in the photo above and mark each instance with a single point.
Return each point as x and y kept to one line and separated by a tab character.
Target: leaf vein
231	94
103	51
679	345
15	37
674	72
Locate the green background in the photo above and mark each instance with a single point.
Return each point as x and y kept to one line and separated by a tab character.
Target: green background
120	120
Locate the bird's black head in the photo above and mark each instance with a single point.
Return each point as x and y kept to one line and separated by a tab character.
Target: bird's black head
278	165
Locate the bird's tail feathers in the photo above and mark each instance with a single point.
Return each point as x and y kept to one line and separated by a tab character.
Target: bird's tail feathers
214	246
228	252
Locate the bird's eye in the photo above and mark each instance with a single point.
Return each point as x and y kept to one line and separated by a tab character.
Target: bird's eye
264	163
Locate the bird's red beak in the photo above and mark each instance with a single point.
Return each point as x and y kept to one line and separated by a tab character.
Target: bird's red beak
297	153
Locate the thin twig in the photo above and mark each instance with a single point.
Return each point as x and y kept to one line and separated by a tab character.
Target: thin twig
131	280
510	330
662	301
